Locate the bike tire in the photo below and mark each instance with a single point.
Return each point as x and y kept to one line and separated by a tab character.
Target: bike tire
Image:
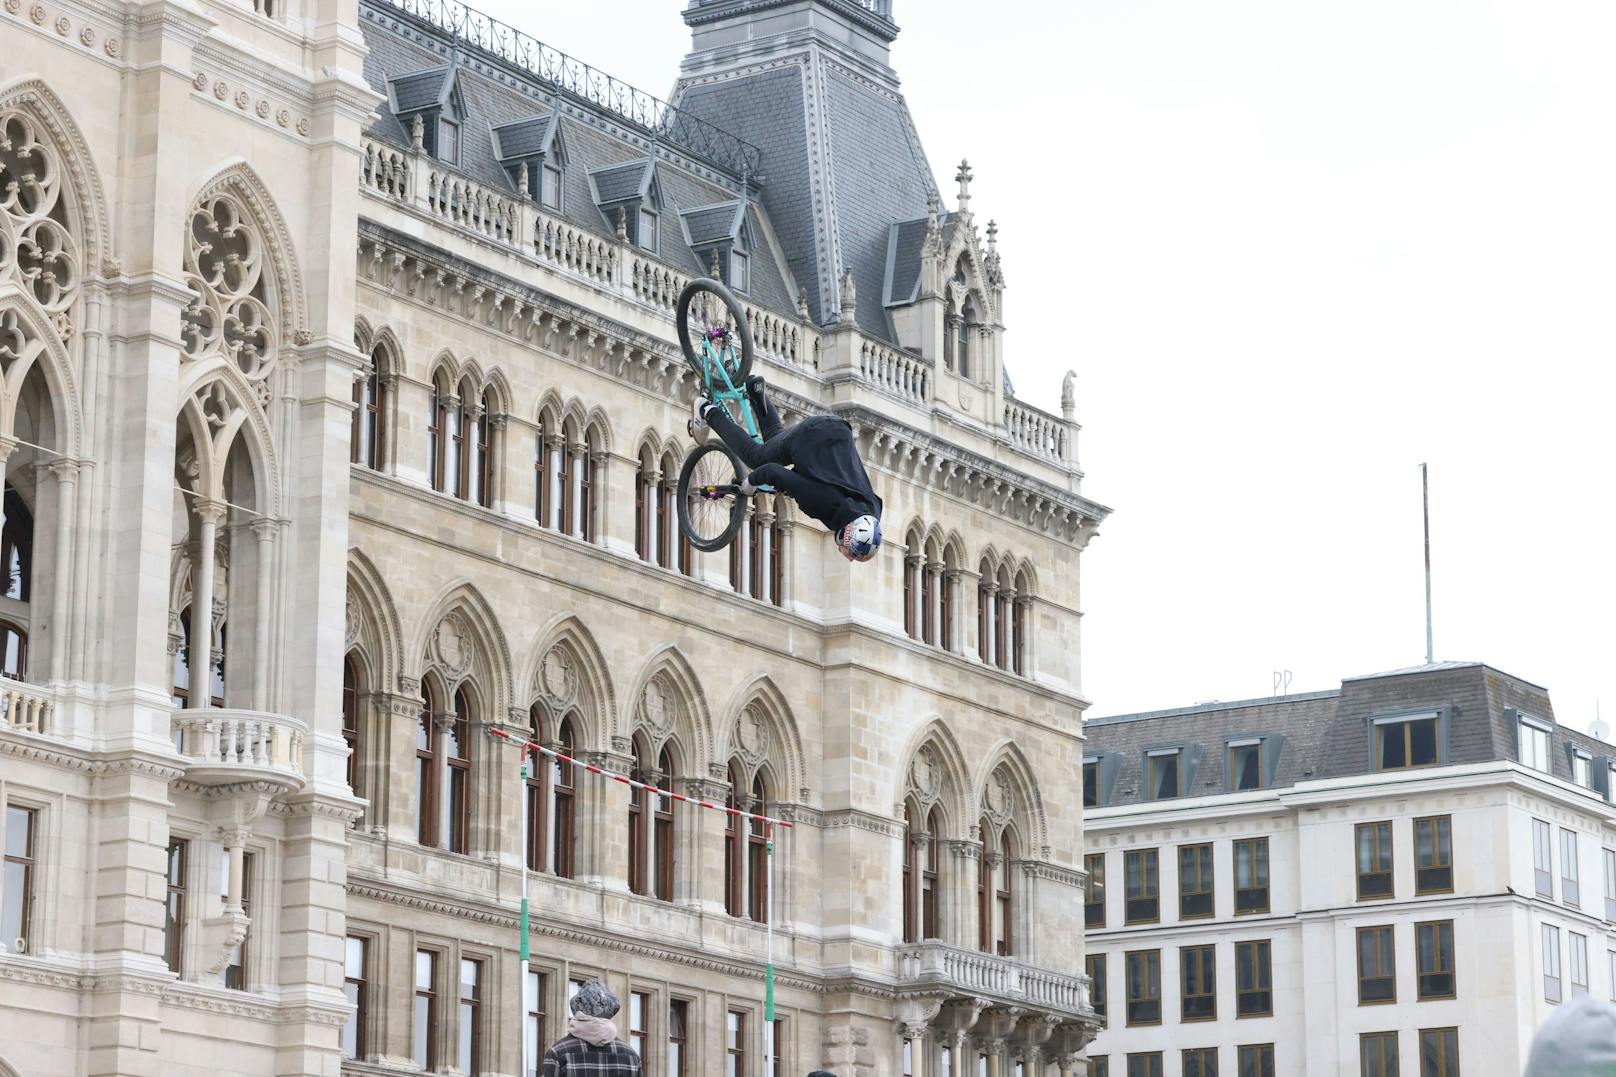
737	317
713	531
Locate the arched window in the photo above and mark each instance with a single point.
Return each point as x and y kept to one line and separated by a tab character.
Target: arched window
994	892
456	826
366	436
459	462
1004	918
928	876
929	580
946	602
537	792
911	584
984	890
758	854
985	608
350	721
734	853
949	318
647	508
662	835
588	469
571	450
17	547
756	567
911	875
486	449
638	873
13	652
443	463
1019	624
1001	620
182	665
962	339
543	474
426	769
563	803
667	527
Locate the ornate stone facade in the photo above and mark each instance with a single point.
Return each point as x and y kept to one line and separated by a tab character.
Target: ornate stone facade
330	451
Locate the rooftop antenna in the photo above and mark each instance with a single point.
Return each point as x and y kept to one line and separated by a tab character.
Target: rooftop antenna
1599	729
1282	681
1425	494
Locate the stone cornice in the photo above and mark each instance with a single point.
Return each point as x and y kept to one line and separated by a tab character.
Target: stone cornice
861	820
1059	873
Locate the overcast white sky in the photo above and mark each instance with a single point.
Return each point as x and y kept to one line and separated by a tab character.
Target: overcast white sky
1292	250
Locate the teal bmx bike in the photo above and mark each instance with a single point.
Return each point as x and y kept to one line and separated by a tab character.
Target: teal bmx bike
717	342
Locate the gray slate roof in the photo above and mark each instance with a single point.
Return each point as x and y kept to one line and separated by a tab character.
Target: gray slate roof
707	225
623	181
1327	733
421	89
524	138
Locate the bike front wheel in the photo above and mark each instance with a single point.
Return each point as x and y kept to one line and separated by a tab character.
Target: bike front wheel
710	504
713	329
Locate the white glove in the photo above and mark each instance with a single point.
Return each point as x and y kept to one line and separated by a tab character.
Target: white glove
747	488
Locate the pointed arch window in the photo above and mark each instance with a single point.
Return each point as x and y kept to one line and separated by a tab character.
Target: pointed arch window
949	318
637	867
929	888
986	608
563	804
536	789
758	855
369	411
962	337
667	528
545	472
455	828
647	509
911	875
13	652
746	858
1004	897
486	426
734	853
462	445
426	769
182	664
350	720
984	891
662	832
444	438
17	547
995	892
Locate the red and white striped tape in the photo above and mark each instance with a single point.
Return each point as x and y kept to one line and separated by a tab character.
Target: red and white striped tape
529	745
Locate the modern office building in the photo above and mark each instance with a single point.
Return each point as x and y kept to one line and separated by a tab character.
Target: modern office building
355	321
1401	876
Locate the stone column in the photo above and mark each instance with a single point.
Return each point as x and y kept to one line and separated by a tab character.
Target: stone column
913	567
600	475
701	848
387	461
552	479
67	477
210	514
390	781
495	467
953	585
934	569
964	863
788	550
265	531
766	550
917	1035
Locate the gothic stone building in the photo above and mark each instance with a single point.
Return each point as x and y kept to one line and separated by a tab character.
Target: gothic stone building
355	319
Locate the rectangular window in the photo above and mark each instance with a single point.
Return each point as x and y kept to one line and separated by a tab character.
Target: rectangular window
1144	987
739	278
533	1026
1377	1053
1439	1052
235	972
1099	1066
1145	1064
550	187
647	236
1200	1062
1094	967
448	141
1610	884
1433	855
1194	881
639	1011
1245	764
424	1019
1254	979
17	884
1377	965
1582	769
1094	890
1255	1060
1534	745
1433	951
735	1045
1374	842
469	1047
1610	963
678	1038
1142	895
174	913
1551	963
774	1035
1543	858
355	969
1570	886
1404	743
1091	784
1199	983
1578	962
1250	876
1162	774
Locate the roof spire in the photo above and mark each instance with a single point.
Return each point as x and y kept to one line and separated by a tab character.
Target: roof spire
963	178
849	298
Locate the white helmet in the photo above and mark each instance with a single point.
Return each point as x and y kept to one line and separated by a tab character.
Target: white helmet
862	537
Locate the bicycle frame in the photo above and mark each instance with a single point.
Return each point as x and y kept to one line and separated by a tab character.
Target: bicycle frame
720	389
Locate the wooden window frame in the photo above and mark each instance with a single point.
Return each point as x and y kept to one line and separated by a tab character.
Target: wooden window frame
542	510
1383	969
426	769
468	1017
911	877
1244	905
1441	947
537	793
1137	968
638	1036
1404	727
1094	890
535	1013
1379	1042
564	797
734	850
1381	850
757	849
1260	1056
1149	1064
1094	968
429	996
735	1043
359	996
1199	1062
457	766
1446	1062
663	832
1198	967
1440	860
1260	956
177	897
638	873
1149	876
930	883
27	862
678	1037
1200	877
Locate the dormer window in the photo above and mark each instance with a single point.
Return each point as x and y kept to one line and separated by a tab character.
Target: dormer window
646	234
630	193
739	275
432	97
722	234
533	154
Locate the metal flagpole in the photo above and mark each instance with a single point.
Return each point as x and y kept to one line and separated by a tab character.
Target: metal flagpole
1425	494
768	974
521	798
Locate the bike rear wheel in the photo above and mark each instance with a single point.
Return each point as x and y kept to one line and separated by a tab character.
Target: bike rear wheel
708	312
710	504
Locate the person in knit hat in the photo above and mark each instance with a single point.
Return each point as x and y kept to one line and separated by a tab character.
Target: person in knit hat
591	1047
1578	1041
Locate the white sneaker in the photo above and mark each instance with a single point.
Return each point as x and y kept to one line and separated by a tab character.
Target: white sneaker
697	426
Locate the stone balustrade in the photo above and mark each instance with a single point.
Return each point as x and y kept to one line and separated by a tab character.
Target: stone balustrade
935	964
224	746
903	374
572	250
1035	432
27	707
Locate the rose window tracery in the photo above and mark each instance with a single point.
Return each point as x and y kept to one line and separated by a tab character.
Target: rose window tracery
37	249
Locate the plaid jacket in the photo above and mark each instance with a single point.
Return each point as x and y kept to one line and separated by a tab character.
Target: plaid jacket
573	1056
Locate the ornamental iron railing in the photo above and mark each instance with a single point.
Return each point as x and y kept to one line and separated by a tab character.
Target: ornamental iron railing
577	79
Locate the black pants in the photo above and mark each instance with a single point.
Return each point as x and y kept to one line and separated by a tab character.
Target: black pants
777	440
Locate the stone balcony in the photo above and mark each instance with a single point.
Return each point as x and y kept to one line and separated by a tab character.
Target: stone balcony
226	747
936	967
27	707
